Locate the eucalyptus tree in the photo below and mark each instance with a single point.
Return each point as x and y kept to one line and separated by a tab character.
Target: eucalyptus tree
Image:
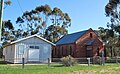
35	19
103	34
60	22
48	23
7	3
7	32
112	10
5	25
110	39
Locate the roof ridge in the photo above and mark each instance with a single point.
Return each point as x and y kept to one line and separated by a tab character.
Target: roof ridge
35	35
77	32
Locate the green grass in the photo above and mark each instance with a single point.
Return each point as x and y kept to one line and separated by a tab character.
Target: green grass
59	69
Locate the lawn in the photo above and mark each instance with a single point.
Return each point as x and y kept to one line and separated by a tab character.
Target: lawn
59	69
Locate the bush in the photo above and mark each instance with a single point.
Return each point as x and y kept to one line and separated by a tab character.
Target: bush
68	61
98	60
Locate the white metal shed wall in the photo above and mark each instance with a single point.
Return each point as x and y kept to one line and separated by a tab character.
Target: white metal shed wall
44	49
9	53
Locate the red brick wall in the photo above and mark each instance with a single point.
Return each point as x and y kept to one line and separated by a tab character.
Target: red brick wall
81	43
63	50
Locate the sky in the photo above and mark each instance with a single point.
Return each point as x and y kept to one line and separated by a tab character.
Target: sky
84	14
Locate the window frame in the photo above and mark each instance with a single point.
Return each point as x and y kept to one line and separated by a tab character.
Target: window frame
21	49
34	47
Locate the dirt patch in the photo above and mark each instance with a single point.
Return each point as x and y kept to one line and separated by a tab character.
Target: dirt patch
104	71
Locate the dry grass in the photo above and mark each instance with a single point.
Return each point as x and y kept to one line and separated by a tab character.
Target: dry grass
109	69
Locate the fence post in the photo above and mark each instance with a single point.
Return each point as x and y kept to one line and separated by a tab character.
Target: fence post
88	64
48	62
22	66
23	63
103	59
116	59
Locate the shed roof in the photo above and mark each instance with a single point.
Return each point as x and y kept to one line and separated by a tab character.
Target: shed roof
70	38
31	37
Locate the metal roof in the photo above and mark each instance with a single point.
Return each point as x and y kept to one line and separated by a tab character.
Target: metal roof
32	36
70	38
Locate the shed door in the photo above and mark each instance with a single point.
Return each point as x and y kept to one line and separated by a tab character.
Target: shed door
33	55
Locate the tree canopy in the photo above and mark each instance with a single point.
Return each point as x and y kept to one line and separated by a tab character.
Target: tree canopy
48	23
112	10
111	34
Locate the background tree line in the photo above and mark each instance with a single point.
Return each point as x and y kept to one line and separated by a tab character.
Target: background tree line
111	34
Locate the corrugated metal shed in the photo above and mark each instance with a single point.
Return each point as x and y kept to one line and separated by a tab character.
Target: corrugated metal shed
33	49
71	38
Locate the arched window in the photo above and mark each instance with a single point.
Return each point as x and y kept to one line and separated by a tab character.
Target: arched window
55	51
98	52
91	35
66	50
70	50
58	52
62	51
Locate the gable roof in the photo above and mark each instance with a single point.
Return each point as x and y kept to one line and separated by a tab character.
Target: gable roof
31	37
70	38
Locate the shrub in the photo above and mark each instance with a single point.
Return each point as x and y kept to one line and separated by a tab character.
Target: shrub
98	60
68	61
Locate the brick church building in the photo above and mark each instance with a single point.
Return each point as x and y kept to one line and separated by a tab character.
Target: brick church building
81	44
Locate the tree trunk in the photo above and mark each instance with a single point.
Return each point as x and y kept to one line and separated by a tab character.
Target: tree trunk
111	51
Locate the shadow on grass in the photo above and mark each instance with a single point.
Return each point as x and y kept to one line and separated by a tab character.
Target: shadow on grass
57	65
3	62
